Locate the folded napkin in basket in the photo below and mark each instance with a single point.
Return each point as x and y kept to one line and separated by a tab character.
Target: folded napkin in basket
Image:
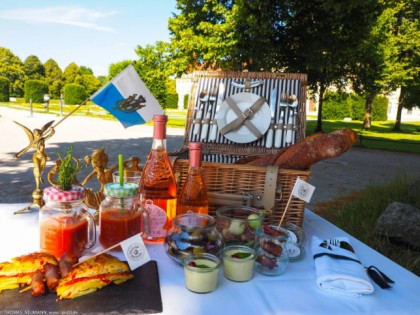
338	269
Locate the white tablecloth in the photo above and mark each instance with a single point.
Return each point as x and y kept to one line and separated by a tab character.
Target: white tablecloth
294	292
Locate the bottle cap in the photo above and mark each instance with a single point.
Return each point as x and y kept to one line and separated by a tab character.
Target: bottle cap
54	194
159	130
116	190
195	153
196	146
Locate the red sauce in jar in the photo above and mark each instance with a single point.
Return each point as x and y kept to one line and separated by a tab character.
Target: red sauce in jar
63	234
116	225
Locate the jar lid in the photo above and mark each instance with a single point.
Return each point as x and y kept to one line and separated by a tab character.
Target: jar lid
121	191
52	193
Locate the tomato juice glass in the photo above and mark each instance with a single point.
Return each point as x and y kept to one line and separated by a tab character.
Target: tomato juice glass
66	225
120	214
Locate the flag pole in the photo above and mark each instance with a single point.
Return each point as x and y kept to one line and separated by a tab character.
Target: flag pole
77	107
285	209
287	205
102	252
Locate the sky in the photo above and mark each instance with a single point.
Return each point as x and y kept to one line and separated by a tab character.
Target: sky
91	33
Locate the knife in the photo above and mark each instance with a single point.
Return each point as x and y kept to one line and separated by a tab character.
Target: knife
270	132
288	130
206	120
220	98
279	131
199	114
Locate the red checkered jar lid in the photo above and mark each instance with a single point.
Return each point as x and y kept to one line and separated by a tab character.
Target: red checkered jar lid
54	194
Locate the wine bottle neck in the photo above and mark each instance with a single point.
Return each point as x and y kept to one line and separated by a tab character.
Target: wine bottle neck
195	155
159	144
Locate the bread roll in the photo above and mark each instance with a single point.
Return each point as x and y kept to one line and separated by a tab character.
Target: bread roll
302	155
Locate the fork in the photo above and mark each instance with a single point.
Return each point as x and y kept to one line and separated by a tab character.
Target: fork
335	242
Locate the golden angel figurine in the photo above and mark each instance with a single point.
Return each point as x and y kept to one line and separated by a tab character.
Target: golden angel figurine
37	139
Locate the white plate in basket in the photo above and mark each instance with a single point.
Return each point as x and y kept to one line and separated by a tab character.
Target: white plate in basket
261	119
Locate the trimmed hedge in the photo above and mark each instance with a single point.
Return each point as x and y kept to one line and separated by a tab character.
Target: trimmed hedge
4	89
380	108
337	106
171	100
35	90
74	94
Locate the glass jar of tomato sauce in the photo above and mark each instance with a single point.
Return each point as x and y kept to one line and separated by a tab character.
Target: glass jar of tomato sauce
66	225
120	214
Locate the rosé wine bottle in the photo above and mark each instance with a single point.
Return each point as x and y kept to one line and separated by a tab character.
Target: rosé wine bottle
157	188
193	196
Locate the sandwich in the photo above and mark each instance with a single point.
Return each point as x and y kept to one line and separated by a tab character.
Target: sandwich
93	274
21	269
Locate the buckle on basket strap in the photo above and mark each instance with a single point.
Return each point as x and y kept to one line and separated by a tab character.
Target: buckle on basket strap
243	117
248	113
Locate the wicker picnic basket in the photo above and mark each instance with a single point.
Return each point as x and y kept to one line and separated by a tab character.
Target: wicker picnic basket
228	183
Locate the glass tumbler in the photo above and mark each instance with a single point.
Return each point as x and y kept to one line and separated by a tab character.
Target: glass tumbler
271	247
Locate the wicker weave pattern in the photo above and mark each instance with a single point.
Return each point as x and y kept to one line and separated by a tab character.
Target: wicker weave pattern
238	179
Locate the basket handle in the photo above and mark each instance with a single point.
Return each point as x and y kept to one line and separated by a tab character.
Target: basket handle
270	187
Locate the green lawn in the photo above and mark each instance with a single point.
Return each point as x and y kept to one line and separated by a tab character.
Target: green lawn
380	136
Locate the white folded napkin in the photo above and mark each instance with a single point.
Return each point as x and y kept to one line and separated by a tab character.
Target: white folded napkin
339	270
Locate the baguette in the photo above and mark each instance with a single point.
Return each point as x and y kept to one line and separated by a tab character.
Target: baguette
302	155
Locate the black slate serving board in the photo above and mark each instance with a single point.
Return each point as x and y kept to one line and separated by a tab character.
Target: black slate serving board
140	295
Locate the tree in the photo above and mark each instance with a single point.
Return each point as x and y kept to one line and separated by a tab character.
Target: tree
91	83
116	68
34	69
368	68
85	70
54	78
11	67
4	89
319	40
72	74
258	28
400	20
201	35
152	67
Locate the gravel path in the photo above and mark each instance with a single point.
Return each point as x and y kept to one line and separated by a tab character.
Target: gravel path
333	178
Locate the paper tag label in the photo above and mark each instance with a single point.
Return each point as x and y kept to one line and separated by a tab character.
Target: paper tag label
157	220
293	250
135	251
293	237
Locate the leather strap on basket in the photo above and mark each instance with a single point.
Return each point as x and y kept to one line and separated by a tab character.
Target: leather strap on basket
243	117
270	187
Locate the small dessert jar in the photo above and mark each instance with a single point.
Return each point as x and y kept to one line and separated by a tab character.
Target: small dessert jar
65	223
201	272
120	215
271	247
238	262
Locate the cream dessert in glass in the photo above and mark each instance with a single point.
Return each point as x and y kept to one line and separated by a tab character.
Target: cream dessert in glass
201	272
238	262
